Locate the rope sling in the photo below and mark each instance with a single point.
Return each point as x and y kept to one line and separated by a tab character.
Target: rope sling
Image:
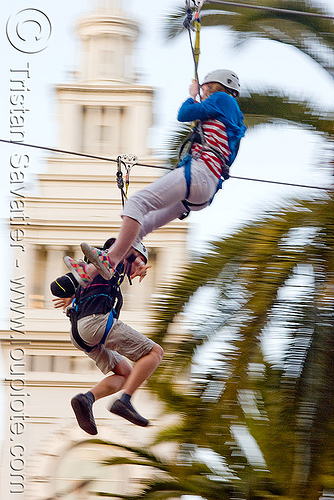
192	22
127	161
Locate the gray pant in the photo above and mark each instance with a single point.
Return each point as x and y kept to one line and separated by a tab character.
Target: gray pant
161	201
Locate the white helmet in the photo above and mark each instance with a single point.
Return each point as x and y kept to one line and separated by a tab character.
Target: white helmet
137	245
226	78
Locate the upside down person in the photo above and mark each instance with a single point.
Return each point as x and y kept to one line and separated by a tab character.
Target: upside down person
96	330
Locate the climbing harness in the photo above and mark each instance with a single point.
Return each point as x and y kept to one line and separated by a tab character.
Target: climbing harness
115	297
127	161
73	311
197	136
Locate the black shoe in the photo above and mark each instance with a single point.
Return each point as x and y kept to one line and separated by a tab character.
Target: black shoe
82	408
128	412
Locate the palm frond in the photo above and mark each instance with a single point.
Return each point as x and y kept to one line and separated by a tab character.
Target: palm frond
261	267
173	143
311	35
273	107
289	409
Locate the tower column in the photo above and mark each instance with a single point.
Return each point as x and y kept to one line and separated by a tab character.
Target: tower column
103	111
54	267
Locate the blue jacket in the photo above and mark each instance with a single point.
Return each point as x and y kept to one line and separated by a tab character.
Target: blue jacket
219	106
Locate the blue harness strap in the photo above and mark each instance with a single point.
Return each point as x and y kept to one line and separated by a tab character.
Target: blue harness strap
109	324
186	163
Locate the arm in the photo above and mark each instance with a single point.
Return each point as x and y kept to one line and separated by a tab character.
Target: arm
219	105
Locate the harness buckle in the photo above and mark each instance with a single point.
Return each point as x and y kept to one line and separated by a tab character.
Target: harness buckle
184	215
69	311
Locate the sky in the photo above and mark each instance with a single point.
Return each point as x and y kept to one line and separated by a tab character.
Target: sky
283	152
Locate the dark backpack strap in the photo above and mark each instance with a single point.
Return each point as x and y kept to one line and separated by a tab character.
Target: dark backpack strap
118	303
80	341
72	313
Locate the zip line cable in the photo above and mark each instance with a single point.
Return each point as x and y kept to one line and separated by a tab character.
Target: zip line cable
75	153
195	53
270	9
282	183
94	157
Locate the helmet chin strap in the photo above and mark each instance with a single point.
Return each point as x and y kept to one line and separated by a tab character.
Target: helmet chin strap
129	261
232	92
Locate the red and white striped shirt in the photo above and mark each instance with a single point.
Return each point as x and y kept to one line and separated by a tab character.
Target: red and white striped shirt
215	135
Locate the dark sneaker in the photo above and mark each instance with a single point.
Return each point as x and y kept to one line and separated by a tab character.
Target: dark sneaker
128	412
82	408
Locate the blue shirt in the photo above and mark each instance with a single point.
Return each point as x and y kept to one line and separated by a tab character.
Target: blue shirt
222	107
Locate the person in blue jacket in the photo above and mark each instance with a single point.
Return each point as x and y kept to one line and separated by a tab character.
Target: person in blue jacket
213	148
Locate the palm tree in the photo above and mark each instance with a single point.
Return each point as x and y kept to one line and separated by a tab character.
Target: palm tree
287	408
298	397
169	478
273	276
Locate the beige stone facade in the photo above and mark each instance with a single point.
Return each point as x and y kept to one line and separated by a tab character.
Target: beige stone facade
105	113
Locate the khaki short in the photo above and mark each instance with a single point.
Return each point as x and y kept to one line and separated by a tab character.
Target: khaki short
122	340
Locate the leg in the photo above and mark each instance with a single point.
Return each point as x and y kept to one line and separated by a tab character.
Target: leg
158	204
158	218
128	233
112	383
146	355
142	370
161	196
82	404
152	221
